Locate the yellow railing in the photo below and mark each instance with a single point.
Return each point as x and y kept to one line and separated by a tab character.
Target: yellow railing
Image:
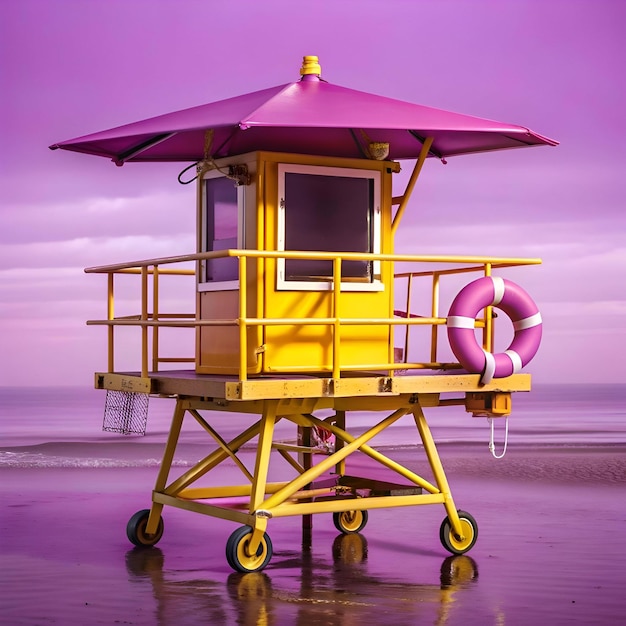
156	319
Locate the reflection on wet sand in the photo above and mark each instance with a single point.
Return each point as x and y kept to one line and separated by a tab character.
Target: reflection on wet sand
302	590
180	596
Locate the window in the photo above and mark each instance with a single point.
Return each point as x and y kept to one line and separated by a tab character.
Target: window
221	219
328	209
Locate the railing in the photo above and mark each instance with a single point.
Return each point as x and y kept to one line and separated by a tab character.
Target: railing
156	319
146	318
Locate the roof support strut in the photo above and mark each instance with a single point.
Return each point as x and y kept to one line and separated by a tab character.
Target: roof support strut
120	159
411	184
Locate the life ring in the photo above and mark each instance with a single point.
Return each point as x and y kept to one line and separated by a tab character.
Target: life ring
517	304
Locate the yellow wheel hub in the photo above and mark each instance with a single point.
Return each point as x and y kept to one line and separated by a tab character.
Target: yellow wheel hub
468	536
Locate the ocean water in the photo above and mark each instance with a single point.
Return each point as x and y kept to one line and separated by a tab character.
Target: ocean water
62	427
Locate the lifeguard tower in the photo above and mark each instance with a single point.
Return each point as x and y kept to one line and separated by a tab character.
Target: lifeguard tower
305	313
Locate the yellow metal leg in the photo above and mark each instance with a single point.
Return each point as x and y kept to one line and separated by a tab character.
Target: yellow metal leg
438	471
264	449
168	456
259	483
170	447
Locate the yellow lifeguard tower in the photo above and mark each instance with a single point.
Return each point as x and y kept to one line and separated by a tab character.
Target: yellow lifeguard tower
297	316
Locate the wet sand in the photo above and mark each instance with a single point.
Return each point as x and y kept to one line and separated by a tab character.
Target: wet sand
550	551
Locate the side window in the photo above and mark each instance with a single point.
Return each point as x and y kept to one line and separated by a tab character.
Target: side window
220	227
323	209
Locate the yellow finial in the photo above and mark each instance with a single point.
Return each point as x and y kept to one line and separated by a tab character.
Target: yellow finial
310	65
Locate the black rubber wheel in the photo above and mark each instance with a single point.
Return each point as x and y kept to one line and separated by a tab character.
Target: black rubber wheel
454	544
349	522
136	529
238	557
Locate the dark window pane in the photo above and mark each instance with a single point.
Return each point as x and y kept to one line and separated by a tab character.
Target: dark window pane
327	214
221	227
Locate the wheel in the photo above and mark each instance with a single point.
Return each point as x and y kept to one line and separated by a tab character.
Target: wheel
136	529
470	533
238	557
349	522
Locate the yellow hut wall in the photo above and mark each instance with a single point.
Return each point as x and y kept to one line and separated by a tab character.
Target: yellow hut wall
290	348
296	348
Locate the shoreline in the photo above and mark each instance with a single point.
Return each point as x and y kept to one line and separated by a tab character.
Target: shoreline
562	463
138	443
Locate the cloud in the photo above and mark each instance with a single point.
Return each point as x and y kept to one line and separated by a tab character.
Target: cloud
60	293
88	252
162	213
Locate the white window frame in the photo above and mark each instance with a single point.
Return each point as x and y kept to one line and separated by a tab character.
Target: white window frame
282	284
225	285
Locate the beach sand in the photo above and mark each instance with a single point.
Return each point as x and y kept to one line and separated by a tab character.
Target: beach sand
550	551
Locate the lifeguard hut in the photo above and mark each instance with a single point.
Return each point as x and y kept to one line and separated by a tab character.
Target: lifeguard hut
303	310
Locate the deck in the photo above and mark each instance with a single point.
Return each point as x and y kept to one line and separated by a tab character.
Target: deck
361	390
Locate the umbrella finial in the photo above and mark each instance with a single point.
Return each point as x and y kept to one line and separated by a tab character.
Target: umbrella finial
310	66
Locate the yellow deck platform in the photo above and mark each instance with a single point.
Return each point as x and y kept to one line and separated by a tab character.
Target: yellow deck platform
360	387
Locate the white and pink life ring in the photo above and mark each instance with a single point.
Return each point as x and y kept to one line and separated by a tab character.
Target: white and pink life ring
517	304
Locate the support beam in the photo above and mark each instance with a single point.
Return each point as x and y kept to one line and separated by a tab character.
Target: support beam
411	184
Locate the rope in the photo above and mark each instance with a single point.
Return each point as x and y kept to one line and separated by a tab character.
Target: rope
208	140
492	446
368	141
207	163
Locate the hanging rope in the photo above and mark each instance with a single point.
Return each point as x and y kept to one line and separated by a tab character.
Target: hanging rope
492	446
367	141
207	163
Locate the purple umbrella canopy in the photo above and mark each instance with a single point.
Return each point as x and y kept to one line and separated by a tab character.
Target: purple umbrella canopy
310	116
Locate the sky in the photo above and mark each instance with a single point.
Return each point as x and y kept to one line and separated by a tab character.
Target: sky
73	67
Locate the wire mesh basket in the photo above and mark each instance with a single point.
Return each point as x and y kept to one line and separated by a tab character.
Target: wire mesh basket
125	412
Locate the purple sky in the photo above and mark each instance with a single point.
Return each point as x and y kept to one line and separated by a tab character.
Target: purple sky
72	67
